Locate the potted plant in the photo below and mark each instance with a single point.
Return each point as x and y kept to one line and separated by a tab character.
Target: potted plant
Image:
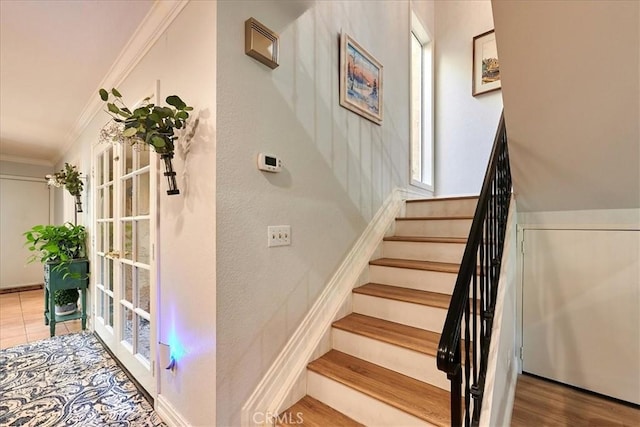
69	178
66	301
62	250
149	124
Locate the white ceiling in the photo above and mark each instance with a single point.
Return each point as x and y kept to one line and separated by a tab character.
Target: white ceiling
53	57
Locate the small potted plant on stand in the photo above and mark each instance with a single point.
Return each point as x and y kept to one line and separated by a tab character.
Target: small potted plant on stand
66	301
62	250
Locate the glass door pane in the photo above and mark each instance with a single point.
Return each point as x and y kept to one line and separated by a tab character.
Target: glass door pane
136	225
103	247
125	180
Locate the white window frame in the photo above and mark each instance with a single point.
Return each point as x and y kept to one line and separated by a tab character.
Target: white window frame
426	140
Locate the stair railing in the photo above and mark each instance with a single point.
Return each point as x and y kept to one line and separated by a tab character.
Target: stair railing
474	297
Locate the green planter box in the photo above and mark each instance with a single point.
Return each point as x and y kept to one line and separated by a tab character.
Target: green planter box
77	267
54	280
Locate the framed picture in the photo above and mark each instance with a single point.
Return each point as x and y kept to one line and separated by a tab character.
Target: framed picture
360	80
486	69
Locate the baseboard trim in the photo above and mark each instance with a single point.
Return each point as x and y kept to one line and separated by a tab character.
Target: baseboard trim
414	193
272	390
21	289
168	413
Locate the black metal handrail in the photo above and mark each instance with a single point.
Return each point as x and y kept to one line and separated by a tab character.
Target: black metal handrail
474	296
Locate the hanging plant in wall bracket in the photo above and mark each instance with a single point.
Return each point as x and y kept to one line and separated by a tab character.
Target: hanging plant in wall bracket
69	178
149	124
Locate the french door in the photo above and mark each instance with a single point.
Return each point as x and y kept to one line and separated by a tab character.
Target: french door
124	271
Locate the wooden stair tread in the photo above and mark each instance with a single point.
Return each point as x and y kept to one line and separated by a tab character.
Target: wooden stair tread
416	339
311	412
419	399
443	267
431	299
433	218
442	199
421	239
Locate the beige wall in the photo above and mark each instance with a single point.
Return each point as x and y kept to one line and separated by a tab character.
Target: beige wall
571	87
184	61
338	169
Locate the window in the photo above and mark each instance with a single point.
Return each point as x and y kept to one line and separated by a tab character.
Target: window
421	106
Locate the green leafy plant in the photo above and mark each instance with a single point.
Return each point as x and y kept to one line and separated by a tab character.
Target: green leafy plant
66	296
149	123
69	178
56	243
59	244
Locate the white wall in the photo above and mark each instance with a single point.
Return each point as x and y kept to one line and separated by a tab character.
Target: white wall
598	219
425	10
24	169
24	202
338	169
580	308
184	60
465	125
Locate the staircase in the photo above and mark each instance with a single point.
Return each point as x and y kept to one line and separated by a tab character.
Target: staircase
382	366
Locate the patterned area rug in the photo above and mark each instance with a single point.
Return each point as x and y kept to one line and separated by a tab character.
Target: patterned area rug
68	380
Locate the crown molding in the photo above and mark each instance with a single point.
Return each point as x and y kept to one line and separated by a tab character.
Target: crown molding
160	16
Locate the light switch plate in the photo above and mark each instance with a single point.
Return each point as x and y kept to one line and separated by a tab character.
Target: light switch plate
278	235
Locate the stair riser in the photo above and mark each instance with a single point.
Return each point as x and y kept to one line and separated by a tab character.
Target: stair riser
424	251
406	313
408	362
433	281
356	405
434	228
462	207
416	315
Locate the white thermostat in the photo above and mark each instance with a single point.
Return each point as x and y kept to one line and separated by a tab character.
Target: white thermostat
269	163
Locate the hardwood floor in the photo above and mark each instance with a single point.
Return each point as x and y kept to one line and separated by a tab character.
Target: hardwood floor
540	403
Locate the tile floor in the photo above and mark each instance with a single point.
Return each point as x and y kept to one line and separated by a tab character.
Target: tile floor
22	319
